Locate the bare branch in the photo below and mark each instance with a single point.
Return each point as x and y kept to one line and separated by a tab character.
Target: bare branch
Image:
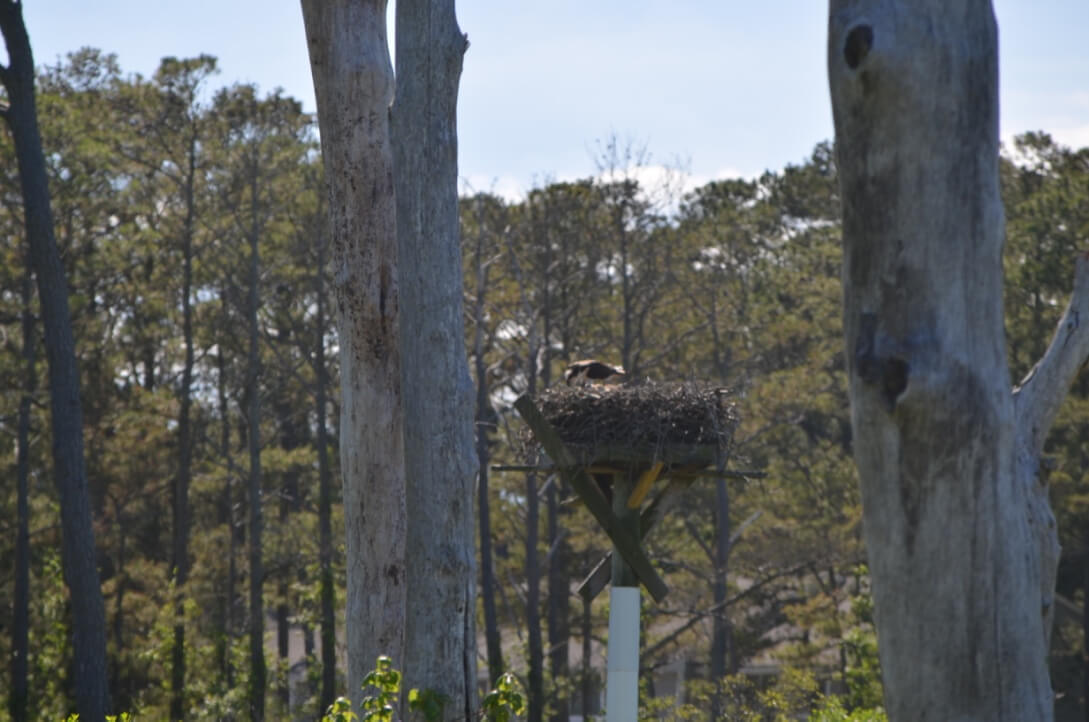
1040	394
14	32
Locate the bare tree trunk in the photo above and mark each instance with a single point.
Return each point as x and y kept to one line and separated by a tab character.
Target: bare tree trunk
20	643
720	624
225	616
440	461
185	452
961	542
120	587
258	666
325	498
353	80
78	549
534	651
587	670
484	425
292	436
535	673
559	612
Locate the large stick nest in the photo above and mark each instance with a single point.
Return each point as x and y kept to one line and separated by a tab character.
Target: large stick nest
648	416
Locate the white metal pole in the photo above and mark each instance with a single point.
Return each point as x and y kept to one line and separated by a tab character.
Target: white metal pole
622	682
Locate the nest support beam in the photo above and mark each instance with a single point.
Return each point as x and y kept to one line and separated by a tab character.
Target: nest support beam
625	534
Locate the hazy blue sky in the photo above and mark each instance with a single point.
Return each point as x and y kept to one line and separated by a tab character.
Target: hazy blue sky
722	86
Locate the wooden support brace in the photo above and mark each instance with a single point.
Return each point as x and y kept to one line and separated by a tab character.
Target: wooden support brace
598	579
646	480
595	501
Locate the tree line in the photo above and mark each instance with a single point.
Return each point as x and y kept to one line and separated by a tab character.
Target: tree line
193	229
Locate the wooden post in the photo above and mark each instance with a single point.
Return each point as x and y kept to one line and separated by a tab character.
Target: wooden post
622	682
623	486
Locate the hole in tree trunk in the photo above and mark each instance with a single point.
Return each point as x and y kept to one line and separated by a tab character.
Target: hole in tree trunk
857	47
895	378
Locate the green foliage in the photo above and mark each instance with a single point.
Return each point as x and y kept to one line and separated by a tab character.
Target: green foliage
386	681
340	711
832	710
793	695
863	671
505	701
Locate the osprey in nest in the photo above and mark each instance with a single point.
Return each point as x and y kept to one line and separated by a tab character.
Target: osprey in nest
590	371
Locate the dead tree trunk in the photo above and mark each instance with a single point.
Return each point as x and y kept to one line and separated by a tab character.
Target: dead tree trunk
353	81
485	424
440	463
961	542
78	547
180	551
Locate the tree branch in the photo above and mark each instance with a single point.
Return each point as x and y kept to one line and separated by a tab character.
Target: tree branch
1040	394
5	70
14	32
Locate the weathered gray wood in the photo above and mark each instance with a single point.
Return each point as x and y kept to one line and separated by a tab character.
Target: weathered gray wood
597	504
440	461
1036	403
353	81
960	540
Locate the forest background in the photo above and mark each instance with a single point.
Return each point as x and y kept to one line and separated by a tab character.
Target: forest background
735	283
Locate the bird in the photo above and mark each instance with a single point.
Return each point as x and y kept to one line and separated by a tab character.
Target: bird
581	373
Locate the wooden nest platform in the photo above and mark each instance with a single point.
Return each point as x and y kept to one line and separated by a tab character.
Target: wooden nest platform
670	422
613	443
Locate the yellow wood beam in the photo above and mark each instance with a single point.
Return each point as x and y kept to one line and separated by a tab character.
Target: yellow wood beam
642	487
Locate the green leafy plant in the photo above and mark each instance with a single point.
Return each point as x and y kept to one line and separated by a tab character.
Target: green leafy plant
832	710
386	680
340	711
505	702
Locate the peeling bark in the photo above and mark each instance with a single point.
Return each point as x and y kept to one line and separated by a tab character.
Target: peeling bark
961	541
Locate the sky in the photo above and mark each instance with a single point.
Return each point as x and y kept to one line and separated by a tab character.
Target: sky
715	88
